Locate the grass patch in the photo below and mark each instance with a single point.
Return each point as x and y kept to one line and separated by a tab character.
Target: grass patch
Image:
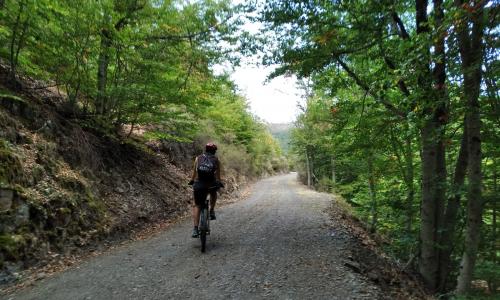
6	94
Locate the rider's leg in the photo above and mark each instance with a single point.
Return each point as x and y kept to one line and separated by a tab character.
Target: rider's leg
196	215
196	220
198	195
213	199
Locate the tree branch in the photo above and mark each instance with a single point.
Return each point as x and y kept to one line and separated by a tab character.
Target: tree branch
405	36
401	26
401	83
188	36
365	87
421	16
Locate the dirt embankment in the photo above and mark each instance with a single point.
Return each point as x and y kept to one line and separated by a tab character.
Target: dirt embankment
67	185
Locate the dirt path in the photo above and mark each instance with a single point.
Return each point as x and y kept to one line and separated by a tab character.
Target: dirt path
278	244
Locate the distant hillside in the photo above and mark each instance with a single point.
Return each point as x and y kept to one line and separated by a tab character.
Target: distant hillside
281	132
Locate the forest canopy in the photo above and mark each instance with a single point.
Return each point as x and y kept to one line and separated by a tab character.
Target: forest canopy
140	63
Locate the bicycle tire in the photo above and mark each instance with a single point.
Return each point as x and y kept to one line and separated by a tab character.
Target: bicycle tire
203	228
203	238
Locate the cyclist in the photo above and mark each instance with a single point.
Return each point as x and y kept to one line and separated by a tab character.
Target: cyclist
206	179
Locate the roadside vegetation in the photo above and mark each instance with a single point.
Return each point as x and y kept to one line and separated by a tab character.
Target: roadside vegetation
88	90
402	120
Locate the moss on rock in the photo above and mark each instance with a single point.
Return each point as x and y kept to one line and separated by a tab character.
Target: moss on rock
11	246
17	106
10	166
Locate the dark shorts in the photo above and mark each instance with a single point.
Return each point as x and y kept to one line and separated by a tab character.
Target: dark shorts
201	191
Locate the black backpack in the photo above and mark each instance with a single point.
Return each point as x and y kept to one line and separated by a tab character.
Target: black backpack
207	166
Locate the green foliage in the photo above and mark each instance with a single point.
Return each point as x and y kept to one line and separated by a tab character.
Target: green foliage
245	144
373	90
489	271
140	63
151	55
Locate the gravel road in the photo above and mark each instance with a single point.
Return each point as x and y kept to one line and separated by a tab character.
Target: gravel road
277	244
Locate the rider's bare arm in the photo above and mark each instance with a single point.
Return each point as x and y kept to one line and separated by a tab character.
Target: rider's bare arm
193	177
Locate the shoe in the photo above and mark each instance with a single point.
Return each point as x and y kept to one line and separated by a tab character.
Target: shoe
212	215
195	233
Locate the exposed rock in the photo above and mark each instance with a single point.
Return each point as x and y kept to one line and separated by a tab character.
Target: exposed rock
353	265
22	215
10	273
41	276
23	138
6	198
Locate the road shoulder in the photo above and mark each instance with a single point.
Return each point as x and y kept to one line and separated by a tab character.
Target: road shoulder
364	255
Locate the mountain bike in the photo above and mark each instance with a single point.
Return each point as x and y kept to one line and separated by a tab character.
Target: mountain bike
204	222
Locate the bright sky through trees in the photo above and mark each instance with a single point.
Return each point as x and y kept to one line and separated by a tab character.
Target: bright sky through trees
274	101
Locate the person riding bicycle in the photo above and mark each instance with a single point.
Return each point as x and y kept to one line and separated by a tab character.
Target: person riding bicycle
206	179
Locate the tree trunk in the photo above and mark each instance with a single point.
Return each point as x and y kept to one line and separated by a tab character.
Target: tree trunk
102	105
450	217
373	194
433	149
474	200
102	71
494	200
132	127
334	175
428	258
494	211
441	183
308	170
311	167
441	117
471	53
441	110
13	39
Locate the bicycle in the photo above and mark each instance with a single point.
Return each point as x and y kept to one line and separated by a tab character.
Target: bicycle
204	221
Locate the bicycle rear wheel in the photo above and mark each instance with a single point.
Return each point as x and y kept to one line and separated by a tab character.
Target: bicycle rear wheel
203	228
